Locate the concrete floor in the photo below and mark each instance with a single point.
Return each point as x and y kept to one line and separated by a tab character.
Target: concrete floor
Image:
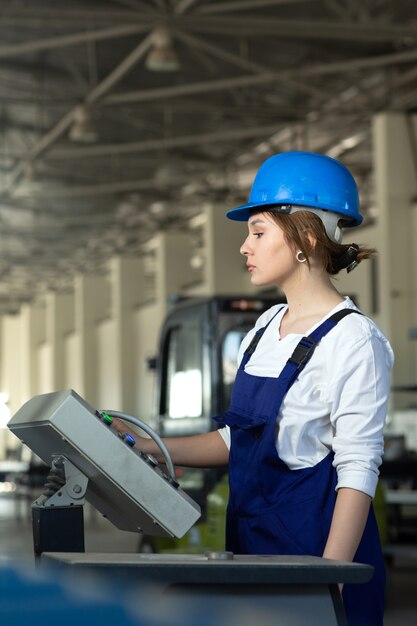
101	536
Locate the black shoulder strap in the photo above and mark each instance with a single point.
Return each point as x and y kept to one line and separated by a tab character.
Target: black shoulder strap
258	335
306	346
336	317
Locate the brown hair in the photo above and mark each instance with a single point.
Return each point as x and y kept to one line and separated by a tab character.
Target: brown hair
334	256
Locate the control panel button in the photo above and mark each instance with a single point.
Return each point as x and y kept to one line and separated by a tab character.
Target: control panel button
129	439
151	460
107	419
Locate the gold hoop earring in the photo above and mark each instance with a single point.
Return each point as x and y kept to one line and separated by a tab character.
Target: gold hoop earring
301	258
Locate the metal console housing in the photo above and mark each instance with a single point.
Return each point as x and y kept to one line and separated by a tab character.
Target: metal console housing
122	484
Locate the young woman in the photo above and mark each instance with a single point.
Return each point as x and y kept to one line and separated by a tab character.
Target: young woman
303	436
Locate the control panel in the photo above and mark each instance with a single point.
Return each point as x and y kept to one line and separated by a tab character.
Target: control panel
131	489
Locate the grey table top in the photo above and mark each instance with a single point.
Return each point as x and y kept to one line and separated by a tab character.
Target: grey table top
215	568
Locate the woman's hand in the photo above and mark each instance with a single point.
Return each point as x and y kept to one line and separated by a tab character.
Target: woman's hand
122	427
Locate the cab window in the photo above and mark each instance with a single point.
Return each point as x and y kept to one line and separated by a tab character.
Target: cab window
184	384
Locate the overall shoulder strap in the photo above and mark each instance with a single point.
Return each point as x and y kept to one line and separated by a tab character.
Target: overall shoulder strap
305	348
258	335
336	317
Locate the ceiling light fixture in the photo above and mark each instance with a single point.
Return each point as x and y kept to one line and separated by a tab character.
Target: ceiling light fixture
82	129
162	56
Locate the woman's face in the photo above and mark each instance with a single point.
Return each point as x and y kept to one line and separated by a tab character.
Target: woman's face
269	257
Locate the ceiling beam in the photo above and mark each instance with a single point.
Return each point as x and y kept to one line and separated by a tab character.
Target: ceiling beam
253	25
117	74
241	62
64	123
361	63
160	93
33	15
183	5
235	27
63	41
164	143
98	189
136	5
244	5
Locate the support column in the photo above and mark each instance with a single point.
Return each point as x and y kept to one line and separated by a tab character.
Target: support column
170	253
60	321
33	333
395	167
224	270
173	269
11	374
92	303
127	286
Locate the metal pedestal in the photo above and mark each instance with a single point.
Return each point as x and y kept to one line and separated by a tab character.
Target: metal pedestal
292	591
58	528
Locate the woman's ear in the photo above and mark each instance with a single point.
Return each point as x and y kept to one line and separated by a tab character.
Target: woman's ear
312	240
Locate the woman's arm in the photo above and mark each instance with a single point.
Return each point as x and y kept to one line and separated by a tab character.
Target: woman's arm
207	450
348	523
359	383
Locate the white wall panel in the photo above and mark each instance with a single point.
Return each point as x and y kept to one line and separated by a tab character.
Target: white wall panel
72	357
108	390
44	374
147	323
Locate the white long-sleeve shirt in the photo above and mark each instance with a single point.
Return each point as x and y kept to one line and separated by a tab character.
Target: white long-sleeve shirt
339	401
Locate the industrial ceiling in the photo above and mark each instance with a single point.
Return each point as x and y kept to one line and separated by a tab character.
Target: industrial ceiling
120	118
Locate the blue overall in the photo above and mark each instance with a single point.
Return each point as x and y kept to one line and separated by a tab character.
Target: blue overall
275	510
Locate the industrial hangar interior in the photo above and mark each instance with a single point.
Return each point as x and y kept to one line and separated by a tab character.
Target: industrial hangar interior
128	129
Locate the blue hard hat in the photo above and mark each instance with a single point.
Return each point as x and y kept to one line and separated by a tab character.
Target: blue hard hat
302	179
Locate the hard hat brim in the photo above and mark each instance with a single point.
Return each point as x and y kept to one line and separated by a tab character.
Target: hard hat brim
242	213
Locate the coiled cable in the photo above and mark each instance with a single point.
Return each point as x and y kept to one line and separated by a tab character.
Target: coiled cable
145	427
